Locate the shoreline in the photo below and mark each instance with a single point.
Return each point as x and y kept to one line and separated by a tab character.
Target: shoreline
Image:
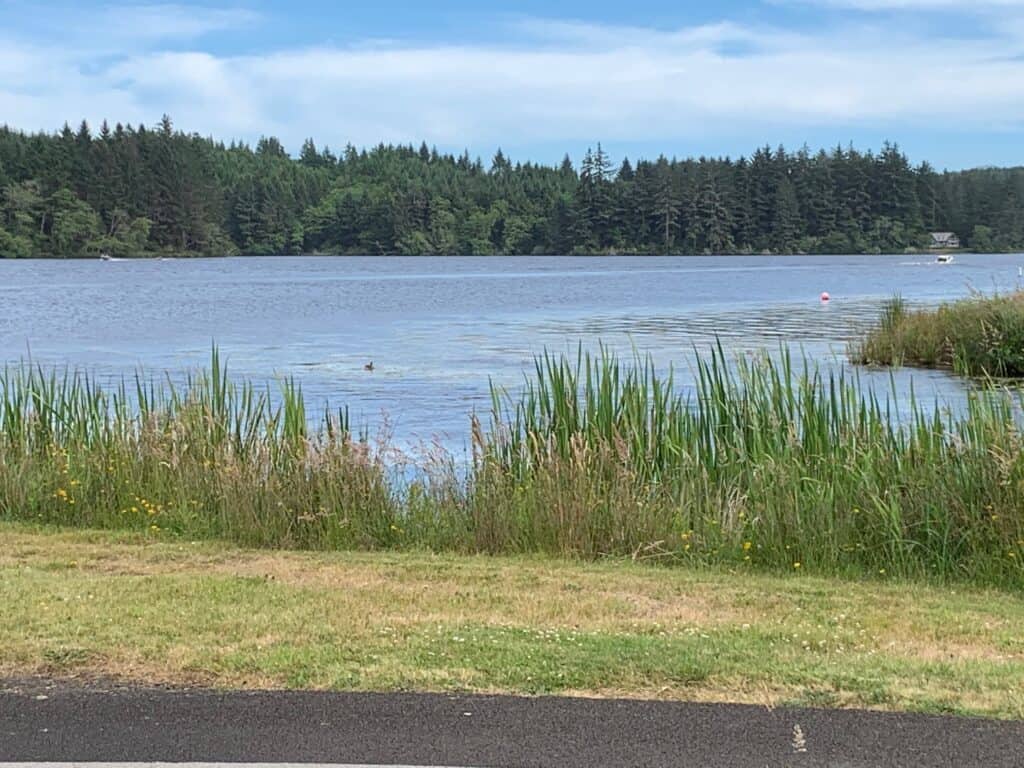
158	257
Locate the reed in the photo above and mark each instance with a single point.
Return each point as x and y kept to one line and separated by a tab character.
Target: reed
982	336
767	463
210	459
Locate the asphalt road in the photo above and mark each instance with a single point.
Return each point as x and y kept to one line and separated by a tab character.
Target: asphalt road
62	723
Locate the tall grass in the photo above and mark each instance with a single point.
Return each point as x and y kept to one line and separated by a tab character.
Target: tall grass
213	458
767	464
981	336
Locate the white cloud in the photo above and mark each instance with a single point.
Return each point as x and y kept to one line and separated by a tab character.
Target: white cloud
963	6
168	21
560	82
84	30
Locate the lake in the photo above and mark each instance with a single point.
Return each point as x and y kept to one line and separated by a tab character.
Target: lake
438	329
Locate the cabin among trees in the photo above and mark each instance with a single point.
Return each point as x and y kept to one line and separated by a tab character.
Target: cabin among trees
944	241
135	191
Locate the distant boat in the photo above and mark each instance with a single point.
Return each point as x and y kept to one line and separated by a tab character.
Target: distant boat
106	257
944	258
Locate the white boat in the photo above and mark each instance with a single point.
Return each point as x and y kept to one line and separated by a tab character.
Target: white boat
106	257
944	258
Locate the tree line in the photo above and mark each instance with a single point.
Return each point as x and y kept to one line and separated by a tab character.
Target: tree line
138	191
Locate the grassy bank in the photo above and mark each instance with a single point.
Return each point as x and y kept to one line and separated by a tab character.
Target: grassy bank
979	336
768	466
138	607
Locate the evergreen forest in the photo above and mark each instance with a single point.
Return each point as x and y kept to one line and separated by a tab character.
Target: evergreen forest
144	191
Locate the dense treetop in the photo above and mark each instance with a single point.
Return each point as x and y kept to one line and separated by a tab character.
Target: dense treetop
132	191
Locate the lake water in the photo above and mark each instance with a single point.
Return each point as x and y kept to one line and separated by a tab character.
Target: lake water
437	329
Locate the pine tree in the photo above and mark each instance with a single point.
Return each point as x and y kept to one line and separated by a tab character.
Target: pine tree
309	156
136	190
786	222
500	165
713	226
667	206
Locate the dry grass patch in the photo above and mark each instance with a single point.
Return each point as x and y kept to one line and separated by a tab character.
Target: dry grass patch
85	603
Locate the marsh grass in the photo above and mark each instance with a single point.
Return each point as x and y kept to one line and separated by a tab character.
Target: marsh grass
209	459
768	464
982	336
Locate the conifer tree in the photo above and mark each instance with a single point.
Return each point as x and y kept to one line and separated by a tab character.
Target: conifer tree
136	190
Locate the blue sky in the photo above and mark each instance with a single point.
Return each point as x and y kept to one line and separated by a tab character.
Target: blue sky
943	78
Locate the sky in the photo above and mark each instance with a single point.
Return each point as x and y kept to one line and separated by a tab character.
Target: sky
942	78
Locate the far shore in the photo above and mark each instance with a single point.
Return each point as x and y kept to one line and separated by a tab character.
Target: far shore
611	254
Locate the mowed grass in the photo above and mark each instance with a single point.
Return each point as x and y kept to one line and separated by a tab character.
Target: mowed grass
140	608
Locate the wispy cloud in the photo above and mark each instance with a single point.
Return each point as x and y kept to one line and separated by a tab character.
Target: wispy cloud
168	21
83	28
961	6
554	82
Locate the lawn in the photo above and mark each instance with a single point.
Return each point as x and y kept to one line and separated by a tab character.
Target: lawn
148	607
